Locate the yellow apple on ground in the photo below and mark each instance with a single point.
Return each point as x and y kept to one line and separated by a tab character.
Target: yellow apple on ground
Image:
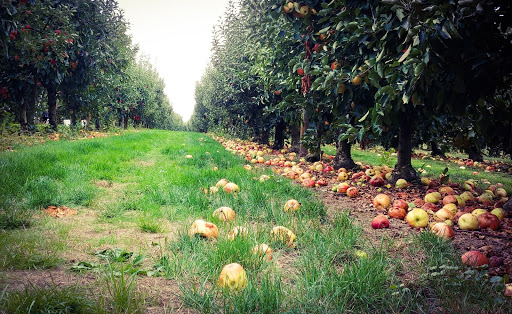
233	277
231	188
443	214
221	183
468	222
433	197
224	214
477	212
401	183
204	229
451	207
417	218
499	212
291	205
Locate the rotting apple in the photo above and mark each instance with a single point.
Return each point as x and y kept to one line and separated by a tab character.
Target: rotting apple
397	212
442	230
263	250
224	214
204	229
233	277
237	231
284	235
474	259
381	201
291	205
379	222
488	221
352	192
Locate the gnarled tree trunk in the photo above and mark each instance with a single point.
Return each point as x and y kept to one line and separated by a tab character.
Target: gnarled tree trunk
279	135
404	168
303	151
343	158
295	135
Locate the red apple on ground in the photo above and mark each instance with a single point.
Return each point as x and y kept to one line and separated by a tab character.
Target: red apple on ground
401	204
488	221
381	221
352	192
377	180
450	199
443	214
474	258
397	212
343	187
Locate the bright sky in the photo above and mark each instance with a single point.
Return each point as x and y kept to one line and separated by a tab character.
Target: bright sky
177	36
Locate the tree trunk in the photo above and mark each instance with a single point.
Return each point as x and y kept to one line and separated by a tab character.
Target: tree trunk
474	154
279	135
73	117
315	153
97	124
303	151
343	158
22	115
403	168
436	150
125	124
508	207
295	135
52	105
265	134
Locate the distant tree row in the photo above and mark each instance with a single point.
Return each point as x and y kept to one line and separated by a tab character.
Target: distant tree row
387	72
74	59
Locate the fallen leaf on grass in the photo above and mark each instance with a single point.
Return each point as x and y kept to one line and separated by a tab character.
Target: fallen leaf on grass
61	211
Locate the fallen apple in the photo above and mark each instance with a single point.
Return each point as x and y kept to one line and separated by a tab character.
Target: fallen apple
377	180
233	277
224	214
474	258
442	230
231	188
468	221
221	183
451	207
379	222
381	201
443	214
499	212
397	212
433	197
477	212
488	221
401	183
291	205
417	218
204	229
352	192
284	235
343	187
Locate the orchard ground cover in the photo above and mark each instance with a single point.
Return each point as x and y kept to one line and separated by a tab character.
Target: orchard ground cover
128	247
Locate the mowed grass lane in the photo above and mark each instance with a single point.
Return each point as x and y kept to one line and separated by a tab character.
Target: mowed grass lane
138	187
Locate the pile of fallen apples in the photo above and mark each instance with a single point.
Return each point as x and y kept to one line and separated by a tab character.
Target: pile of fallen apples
445	208
233	276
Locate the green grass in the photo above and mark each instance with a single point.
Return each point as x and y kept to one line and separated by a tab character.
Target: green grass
431	167
142	183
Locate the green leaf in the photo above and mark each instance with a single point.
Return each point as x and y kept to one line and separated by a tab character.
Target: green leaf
400	14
